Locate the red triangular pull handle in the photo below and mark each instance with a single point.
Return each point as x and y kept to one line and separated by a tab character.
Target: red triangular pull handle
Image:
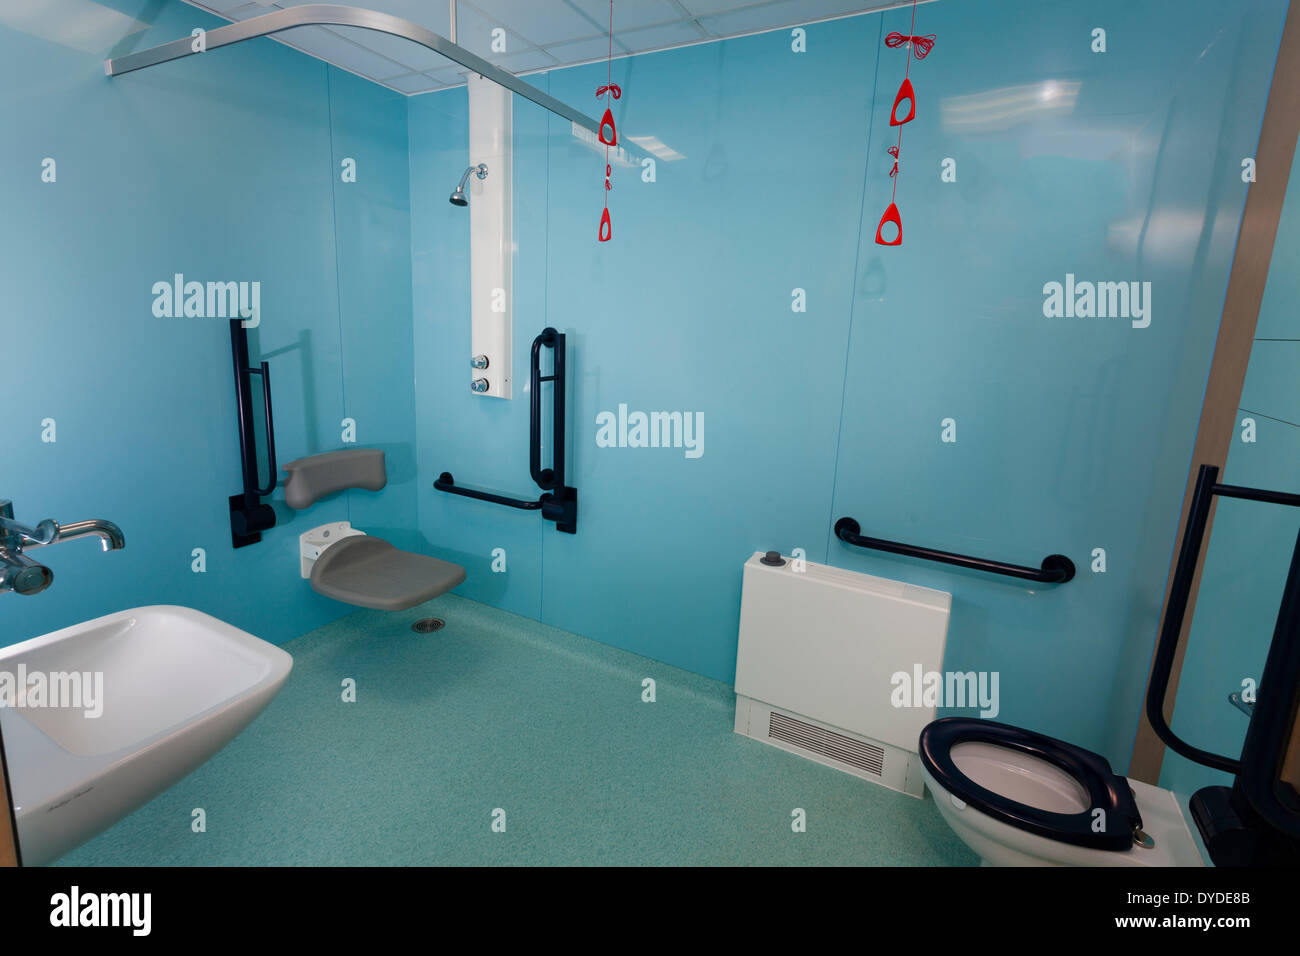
608	120
606	231
891	215
904	93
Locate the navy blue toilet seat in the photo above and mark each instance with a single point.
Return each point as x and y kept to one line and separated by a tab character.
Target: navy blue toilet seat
1106	790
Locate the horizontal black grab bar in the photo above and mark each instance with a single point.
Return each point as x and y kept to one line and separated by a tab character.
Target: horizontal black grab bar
1056	568
446	483
560	505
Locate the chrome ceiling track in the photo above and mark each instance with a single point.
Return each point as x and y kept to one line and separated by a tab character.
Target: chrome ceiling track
328	14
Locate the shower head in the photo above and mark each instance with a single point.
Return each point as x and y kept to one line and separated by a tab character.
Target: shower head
458	198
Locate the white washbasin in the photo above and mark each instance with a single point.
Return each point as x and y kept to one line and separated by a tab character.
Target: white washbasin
177	685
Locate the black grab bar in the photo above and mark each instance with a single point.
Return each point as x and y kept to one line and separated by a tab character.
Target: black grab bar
1272	723
1056	568
446	483
553	477
559	502
272	472
249	517
1180	590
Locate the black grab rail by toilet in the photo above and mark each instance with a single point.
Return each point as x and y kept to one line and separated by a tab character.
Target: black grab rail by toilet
559	502
1255	821
1180	591
249	517
1056	568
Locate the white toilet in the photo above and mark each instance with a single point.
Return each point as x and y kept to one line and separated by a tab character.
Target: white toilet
1018	798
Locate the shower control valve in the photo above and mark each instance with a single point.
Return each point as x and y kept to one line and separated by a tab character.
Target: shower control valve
479	385
479	361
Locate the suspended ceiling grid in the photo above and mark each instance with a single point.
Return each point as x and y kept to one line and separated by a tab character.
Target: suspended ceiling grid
537	34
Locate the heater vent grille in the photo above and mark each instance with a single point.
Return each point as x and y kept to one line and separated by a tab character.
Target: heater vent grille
856	753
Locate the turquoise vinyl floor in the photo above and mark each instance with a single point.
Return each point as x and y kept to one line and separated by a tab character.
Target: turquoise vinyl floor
497	711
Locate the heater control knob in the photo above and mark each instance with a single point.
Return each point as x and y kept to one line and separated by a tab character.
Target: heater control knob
773	559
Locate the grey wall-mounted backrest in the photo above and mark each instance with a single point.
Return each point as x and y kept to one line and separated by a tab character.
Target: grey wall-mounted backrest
316	476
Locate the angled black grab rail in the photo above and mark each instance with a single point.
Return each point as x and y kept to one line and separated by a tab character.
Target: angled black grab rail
559	502
249	517
1180	594
1056	568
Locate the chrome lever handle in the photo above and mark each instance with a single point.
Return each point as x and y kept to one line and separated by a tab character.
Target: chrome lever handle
43	533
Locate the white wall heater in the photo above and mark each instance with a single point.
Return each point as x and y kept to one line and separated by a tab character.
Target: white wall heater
819	651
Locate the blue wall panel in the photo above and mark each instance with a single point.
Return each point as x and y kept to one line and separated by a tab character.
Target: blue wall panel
771	172
1250	544
1073	434
220	168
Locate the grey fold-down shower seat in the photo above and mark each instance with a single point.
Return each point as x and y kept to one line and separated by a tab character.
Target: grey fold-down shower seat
361	569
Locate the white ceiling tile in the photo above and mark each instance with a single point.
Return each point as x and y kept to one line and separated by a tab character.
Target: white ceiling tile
628	14
450	77
528	60
224	7
583	50
782	13
703	7
413	83
433	15
756	18
551	21
474	33
570	31
812	9
299	3
652	38
413	56
329	46
246	10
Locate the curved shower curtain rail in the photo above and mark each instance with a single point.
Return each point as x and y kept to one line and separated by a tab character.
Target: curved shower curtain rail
328	14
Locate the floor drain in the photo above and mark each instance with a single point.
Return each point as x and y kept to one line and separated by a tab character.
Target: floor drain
428	625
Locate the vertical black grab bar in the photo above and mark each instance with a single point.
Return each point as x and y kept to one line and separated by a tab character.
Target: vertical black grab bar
249	517
272	470
551	478
1272	724
1180	590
